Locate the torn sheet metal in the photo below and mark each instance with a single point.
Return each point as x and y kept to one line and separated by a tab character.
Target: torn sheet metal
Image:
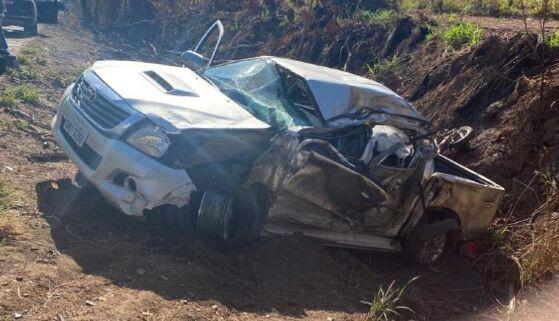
339	93
317	191
474	199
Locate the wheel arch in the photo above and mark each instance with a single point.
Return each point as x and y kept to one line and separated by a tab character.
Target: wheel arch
439	213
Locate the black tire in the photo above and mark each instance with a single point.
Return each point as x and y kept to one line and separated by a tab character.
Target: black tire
31	29
30	9
228	220
418	245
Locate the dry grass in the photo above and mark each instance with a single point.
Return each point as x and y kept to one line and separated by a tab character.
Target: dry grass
531	243
536	242
7	202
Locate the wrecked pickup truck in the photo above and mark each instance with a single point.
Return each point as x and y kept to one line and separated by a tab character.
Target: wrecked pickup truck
270	146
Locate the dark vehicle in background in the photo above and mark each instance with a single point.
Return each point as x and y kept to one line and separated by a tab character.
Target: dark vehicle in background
22	13
47	10
27	13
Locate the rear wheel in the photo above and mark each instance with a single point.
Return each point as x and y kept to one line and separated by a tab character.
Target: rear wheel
430	243
31	29
30	9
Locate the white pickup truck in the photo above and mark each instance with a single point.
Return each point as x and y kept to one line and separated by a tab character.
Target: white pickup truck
270	145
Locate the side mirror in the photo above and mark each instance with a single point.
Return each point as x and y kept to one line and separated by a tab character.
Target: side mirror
193	60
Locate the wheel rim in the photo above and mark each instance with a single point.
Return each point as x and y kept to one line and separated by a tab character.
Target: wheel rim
228	220
432	249
217	217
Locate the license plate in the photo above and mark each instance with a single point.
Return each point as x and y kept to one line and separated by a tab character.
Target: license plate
75	130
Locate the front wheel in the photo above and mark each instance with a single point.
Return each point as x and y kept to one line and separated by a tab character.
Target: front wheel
430	243
228	220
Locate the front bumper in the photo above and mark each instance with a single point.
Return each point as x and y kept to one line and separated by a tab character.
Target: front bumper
128	179
20	21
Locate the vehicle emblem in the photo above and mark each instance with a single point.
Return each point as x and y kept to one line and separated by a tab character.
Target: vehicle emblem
90	93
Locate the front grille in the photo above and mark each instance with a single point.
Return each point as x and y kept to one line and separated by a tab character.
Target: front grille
98	108
86	154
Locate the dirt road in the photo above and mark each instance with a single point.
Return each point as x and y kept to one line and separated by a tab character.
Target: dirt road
17	38
67	255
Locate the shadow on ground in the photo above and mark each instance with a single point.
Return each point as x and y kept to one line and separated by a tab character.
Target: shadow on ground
286	275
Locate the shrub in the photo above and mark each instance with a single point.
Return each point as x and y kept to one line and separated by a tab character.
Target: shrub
12	96
384	66
384	17
460	34
6	198
552	41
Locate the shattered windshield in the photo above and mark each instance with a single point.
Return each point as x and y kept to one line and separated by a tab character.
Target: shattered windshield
274	96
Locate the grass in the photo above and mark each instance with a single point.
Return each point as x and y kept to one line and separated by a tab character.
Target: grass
533	243
552	41
35	68
7	199
388	303
480	7
460	34
31	55
383	17
536	244
384	66
14	96
7	202
21	124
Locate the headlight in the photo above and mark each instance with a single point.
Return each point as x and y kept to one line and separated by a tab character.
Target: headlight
150	140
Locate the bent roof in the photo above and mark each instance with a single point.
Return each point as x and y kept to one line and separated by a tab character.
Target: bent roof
339	93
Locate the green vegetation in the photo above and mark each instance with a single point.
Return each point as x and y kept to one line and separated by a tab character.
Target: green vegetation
460	34
387	303
382	17
35	68
13	96
552	41
31	55
482	7
30	59
384	66
7	200
21	124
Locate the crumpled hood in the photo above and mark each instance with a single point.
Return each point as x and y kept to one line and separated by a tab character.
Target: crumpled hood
340	93
175	98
